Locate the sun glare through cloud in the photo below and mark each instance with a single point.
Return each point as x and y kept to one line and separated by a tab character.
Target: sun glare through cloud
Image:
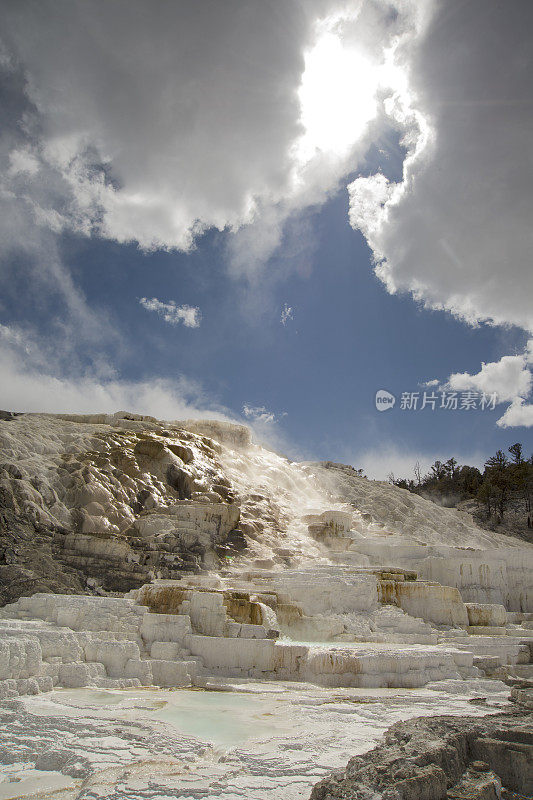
337	97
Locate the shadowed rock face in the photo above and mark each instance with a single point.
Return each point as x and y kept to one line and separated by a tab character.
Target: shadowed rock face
442	758
106	503
27	561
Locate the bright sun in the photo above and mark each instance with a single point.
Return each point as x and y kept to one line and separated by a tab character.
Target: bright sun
337	97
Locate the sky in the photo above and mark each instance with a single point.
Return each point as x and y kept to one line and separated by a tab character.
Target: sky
269	211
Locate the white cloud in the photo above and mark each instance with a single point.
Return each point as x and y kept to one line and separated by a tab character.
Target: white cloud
23	161
287	314
190	316
508	378
518	414
153	127
28	384
14	337
258	414
456	232
167	123
368	197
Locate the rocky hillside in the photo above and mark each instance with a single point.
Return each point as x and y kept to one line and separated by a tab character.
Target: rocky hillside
106	503
387	507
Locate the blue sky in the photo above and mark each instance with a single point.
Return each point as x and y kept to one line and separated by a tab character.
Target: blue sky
347	339
443	302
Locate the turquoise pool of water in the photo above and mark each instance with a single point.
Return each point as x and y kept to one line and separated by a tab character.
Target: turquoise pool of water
225	719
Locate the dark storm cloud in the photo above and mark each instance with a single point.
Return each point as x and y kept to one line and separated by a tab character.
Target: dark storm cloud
189	107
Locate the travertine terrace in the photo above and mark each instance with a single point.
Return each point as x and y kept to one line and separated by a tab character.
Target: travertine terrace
237	562
140	553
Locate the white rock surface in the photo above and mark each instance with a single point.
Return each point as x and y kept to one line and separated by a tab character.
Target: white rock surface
344	583
486	614
137	494
99	641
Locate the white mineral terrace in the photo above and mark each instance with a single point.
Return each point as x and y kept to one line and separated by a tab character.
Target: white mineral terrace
324	626
254	712
257	675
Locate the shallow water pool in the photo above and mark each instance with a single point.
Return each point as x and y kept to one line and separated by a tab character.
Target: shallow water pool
224	718
247	741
